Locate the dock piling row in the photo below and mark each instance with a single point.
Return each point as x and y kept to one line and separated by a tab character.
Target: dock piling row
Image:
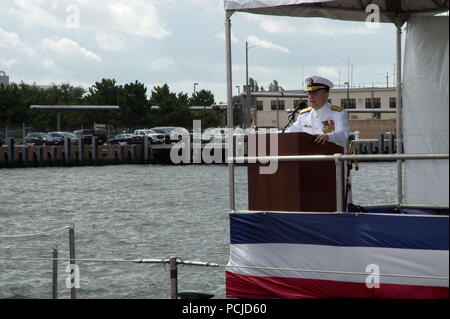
13	155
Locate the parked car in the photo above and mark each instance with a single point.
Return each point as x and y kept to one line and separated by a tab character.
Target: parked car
218	135
40	138
61	135
153	137
125	138
204	138
87	135
172	134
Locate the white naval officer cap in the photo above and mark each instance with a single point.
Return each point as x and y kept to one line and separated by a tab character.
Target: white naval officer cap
314	83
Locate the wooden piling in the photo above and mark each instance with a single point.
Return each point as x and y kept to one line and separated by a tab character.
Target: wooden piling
381	143
81	151
10	143
94	149
145	150
67	150
25	156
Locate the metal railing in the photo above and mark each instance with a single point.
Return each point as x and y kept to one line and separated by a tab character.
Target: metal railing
173	261
339	159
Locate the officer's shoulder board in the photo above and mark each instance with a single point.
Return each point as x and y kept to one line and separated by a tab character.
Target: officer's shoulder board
306	110
336	108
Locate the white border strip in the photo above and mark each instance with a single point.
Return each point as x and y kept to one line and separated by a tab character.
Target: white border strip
348	264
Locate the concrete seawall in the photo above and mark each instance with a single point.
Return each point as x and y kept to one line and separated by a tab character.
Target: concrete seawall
37	156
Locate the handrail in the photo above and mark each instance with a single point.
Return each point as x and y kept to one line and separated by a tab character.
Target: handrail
369	157
338	158
371	110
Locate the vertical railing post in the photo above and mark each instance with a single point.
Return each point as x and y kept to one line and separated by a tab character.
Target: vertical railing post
173	278
230	107
339	190
73	292
399	122
55	272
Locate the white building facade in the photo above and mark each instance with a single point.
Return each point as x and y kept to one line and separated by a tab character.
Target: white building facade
274	111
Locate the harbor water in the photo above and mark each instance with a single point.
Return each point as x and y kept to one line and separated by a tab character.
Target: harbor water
127	212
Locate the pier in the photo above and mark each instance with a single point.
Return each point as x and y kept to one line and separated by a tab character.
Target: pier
12	155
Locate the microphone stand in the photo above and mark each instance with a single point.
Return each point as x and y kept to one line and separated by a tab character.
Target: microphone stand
291	118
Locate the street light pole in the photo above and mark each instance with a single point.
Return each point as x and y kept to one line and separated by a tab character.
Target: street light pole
247	98
348	94
387	78
247	120
195	84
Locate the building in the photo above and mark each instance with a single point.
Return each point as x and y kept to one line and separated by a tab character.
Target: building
4	79
271	109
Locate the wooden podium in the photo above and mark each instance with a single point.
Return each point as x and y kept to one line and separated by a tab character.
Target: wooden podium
308	186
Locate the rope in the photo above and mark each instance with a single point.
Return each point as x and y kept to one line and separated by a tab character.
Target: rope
209	264
138	261
92	250
36	234
67	259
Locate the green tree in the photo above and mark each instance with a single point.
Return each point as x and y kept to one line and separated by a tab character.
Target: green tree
106	92
134	106
63	94
274	87
202	98
253	85
173	109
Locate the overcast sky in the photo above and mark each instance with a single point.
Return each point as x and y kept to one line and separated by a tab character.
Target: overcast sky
180	42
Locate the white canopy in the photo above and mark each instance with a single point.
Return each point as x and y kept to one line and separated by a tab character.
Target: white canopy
354	10
425	111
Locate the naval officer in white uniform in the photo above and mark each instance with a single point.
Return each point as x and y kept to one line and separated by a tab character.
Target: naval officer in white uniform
325	121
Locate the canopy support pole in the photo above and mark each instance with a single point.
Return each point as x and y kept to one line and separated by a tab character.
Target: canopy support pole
230	109
399	115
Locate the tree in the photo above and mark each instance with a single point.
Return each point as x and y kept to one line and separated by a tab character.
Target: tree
173	110
105	92
274	87
253	85
202	98
64	94
134	105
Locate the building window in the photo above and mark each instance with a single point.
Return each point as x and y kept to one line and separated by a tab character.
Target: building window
392	102
348	103
259	105
274	104
373	103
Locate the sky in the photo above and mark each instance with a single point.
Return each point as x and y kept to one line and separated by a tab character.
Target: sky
182	42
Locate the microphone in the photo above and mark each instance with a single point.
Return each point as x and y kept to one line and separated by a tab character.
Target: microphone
298	108
291	116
